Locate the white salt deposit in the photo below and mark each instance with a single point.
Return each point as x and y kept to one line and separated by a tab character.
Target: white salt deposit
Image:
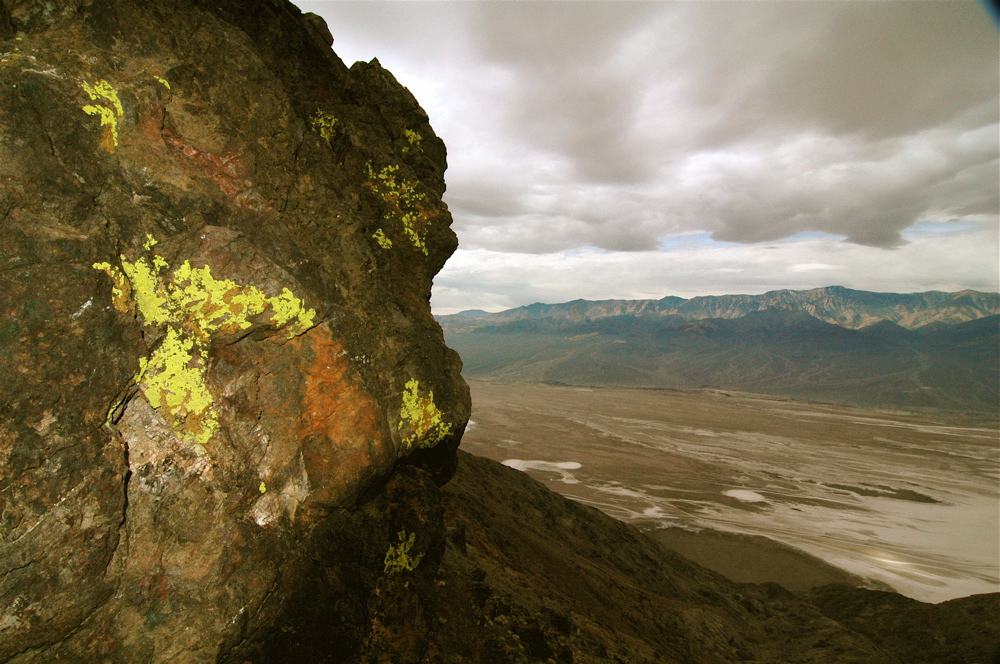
745	496
559	467
551	466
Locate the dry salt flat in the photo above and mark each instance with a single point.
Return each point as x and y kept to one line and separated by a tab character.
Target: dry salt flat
907	501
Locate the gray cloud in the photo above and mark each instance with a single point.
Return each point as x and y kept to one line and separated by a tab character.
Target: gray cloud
621	125
939	258
877	69
570	97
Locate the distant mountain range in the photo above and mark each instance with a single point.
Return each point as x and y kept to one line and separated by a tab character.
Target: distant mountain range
930	350
841	306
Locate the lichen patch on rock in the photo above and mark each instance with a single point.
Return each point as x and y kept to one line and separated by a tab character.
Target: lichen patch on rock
420	419
108	109
193	305
407	205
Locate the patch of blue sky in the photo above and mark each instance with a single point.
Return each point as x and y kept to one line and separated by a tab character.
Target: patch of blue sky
924	228
689	241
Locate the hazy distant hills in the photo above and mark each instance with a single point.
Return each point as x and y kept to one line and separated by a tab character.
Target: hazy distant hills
923	350
833	304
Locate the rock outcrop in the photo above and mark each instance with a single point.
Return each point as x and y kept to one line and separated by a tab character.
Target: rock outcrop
217	247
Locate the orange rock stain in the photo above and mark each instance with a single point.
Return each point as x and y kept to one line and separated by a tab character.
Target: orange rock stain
338	427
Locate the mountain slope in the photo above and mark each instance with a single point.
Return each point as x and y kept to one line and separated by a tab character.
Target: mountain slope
778	351
547	562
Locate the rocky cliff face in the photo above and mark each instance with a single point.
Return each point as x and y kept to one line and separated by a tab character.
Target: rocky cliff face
216	253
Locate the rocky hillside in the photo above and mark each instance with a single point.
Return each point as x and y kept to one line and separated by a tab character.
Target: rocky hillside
507	572
216	253
837	305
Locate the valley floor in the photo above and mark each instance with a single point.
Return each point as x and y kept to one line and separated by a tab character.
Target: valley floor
907	502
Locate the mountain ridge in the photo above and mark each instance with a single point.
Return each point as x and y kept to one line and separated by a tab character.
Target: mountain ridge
853	309
800	347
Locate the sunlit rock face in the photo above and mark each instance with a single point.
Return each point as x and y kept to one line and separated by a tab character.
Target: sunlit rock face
217	247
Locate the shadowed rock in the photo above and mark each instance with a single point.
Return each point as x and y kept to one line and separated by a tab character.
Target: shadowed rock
217	247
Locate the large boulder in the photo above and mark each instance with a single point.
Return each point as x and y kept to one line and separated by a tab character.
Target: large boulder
216	253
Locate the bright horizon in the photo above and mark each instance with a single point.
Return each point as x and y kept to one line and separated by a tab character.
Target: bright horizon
635	150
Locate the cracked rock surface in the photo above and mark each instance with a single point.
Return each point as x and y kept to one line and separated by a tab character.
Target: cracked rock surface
216	252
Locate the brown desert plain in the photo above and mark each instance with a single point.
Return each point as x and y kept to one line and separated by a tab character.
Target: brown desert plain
762	488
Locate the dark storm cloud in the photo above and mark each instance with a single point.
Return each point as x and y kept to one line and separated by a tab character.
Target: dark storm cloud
876	69
645	94
570	96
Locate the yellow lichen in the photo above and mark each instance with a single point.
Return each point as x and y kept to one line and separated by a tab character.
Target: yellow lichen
211	304
193	306
398	559
263	487
121	289
413	138
109	140
382	239
323	123
286	307
173	381
104	92
421	417
406	204
146	291
163	81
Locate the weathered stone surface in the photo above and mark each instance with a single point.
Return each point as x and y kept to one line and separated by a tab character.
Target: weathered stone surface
216	252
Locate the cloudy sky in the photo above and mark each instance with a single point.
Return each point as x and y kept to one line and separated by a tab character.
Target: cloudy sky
642	149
